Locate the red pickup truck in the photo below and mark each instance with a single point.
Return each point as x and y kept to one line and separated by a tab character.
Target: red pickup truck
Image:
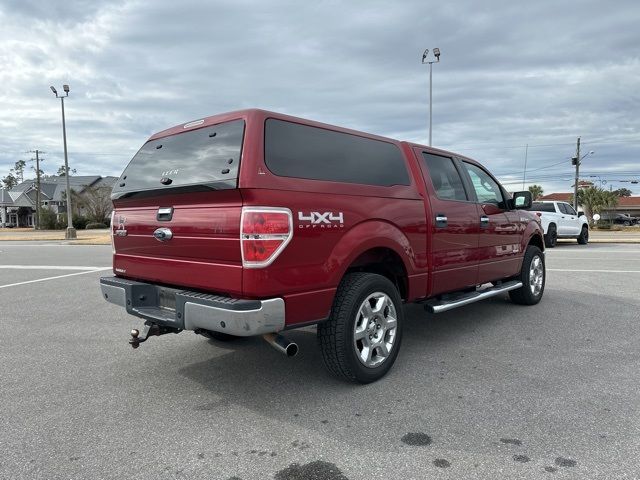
253	223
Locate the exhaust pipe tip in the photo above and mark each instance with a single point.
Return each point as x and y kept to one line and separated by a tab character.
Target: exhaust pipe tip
292	349
281	344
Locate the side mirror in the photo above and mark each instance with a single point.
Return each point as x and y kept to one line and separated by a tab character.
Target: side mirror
522	200
580	214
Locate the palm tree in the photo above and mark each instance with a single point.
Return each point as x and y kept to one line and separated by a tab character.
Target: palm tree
595	200
536	191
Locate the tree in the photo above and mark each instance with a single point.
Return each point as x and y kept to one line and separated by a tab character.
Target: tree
61	171
96	201
18	170
595	200
536	191
623	192
10	181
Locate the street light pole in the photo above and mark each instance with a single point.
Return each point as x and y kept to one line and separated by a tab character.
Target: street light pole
436	53
71	232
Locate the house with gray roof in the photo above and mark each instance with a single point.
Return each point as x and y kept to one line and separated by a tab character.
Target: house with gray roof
18	205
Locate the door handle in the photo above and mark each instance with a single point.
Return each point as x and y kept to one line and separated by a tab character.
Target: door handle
484	221
441	220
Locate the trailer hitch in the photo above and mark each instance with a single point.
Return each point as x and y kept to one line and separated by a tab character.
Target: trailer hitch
150	329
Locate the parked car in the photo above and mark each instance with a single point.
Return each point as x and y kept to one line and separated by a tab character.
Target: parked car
253	223
560	220
620	219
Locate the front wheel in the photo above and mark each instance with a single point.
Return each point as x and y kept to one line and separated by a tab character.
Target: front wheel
361	338
551	238
532	275
583	239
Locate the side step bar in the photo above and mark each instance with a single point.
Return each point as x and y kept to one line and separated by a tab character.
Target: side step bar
439	306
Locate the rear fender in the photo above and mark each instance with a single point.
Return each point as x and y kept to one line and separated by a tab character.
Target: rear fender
366	236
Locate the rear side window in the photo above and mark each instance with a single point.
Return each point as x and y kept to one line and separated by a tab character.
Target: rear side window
445	177
301	151
568	209
542	207
208	156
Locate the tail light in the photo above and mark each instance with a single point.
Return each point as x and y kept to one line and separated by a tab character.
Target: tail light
264	233
113	245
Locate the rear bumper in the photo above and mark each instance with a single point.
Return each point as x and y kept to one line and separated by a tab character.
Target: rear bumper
189	310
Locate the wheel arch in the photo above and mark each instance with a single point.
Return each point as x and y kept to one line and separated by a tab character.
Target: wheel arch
536	240
375	247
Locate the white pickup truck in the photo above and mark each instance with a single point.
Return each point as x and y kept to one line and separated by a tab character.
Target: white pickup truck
560	220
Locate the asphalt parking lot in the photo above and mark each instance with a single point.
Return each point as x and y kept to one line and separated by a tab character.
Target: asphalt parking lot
491	390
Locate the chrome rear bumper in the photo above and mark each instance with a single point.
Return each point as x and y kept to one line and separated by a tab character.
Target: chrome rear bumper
189	310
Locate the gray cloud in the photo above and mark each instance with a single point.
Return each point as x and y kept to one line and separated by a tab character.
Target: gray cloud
511	74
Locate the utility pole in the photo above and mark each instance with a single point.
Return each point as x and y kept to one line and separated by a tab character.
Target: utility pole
37	152
576	159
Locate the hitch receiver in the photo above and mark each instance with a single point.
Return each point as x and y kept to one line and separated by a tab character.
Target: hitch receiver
150	329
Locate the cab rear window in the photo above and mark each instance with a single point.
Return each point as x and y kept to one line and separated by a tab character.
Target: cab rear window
208	156
542	207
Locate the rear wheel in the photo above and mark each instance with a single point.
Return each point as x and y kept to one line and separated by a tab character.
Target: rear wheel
532	275
361	338
551	238
583	239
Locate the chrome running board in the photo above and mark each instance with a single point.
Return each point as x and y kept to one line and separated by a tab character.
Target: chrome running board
459	300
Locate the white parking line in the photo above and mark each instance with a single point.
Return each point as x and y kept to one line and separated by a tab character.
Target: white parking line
597	251
590	271
53	245
49	267
54	278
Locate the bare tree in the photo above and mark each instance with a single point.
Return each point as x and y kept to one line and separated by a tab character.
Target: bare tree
96	201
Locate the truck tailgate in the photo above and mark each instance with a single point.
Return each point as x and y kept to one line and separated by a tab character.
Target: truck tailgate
203	250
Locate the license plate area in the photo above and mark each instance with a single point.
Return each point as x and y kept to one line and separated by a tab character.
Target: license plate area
167	298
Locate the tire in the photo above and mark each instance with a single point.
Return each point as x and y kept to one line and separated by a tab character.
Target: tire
221	337
583	238
533	270
627	223
345	338
551	238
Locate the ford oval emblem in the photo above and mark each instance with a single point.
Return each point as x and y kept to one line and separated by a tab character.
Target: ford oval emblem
163	234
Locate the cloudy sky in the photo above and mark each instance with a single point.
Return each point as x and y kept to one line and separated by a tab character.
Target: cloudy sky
511	74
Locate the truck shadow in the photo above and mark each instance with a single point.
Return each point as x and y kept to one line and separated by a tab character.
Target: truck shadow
254	375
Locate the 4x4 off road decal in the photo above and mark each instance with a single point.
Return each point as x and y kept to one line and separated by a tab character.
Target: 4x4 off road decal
321	220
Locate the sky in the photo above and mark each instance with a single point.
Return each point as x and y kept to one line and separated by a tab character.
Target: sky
511	74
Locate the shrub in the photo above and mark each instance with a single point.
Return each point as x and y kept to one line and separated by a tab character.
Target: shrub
48	220
93	226
80	222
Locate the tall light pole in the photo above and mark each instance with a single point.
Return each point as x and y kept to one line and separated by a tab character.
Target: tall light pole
436	53
71	232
